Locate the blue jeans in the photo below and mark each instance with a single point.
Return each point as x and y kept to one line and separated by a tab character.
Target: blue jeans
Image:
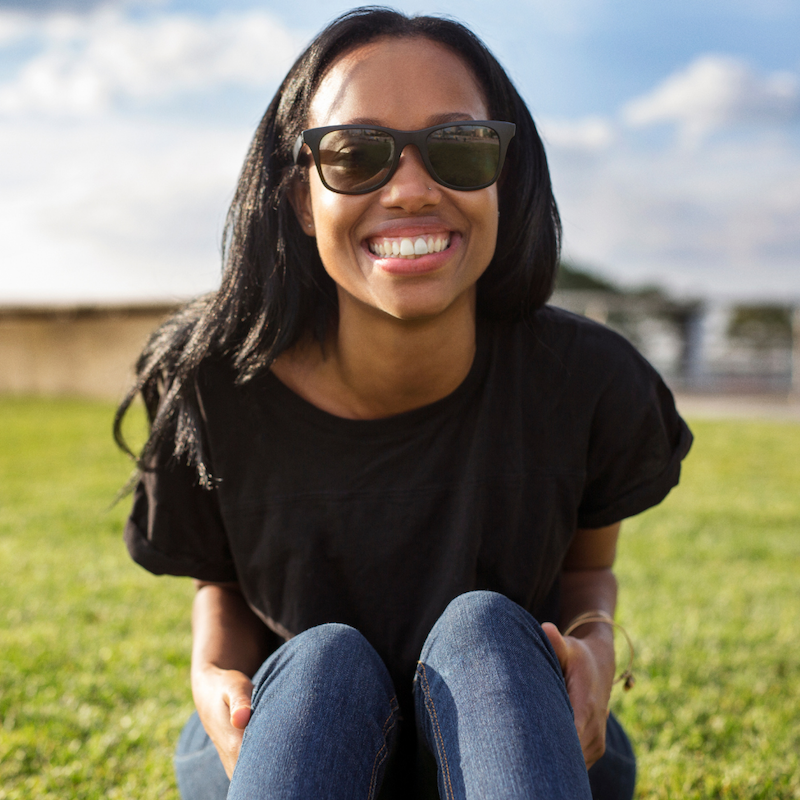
493	720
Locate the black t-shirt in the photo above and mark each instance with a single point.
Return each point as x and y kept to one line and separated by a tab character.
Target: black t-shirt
560	424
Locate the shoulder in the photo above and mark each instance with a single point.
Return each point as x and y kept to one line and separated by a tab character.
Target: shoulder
571	347
581	337
222	391
603	393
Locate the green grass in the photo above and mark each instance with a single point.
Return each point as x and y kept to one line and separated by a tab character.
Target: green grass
710	585
94	652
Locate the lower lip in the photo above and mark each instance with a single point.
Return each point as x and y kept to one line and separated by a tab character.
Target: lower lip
414	266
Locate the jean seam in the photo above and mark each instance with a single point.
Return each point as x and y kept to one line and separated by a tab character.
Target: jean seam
383	752
437	732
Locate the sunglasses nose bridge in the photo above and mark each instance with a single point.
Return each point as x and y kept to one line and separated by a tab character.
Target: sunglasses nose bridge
417	157
409	186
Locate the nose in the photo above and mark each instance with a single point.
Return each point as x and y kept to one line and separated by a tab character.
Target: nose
411	187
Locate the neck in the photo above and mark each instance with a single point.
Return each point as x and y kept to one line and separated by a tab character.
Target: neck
390	365
376	366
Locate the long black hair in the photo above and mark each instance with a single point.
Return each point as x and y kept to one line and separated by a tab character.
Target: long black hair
274	287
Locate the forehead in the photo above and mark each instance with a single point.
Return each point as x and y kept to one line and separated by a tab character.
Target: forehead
401	83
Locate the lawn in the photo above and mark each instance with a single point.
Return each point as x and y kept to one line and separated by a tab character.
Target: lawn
94	652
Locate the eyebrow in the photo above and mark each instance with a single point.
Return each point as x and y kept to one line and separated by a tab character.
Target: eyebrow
437	119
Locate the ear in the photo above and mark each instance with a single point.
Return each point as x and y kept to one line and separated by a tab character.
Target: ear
300	198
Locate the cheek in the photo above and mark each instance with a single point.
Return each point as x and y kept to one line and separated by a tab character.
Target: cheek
485	213
333	214
334	220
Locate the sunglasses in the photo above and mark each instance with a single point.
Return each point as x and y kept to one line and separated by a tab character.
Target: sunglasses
356	159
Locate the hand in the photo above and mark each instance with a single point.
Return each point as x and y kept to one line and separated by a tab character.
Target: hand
588	667
222	697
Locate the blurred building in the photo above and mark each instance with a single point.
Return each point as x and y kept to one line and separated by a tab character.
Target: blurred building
699	347
85	351
702	346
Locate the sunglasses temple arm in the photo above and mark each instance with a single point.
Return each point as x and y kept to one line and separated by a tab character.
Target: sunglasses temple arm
298	146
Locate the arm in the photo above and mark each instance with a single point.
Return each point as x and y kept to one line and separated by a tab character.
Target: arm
229	644
587	656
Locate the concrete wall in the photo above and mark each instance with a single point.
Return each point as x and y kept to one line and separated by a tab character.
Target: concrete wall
82	351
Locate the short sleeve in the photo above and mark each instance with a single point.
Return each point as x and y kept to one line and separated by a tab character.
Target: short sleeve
175	526
636	445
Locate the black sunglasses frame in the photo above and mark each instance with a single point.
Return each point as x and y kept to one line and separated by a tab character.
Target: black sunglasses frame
313	136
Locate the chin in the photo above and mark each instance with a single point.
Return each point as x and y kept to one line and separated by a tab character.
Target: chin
426	310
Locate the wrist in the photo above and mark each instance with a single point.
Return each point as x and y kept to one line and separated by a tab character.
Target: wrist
600	643
593	631
596	630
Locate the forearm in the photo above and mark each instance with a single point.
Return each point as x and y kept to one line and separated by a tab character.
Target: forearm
229	644
586	655
587	590
591	590
588	583
226	634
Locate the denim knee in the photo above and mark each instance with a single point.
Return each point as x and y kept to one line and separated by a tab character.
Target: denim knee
489	691
477	617
333	652
479	608
324	709
479	625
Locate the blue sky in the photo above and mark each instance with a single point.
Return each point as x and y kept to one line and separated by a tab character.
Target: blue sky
672	129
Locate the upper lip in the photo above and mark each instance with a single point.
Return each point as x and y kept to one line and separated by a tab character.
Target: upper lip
418	226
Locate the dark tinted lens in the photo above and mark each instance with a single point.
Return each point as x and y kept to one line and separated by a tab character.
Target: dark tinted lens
465	156
355	159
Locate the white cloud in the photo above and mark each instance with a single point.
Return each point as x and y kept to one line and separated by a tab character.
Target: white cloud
95	205
588	134
109	211
716	220
40	7
101	208
714	92
14	26
88	62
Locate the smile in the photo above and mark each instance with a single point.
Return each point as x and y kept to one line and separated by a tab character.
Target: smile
411	248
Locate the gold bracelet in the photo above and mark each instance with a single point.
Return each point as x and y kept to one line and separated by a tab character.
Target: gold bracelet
601	616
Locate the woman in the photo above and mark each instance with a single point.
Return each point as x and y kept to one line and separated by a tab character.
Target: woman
385	461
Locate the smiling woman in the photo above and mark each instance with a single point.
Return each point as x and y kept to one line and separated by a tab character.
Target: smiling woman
409	84
392	470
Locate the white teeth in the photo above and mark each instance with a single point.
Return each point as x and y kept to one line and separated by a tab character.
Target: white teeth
410	248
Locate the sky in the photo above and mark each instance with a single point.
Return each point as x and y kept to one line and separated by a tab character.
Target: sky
672	129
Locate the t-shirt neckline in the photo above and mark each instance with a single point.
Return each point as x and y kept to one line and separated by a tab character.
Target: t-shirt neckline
307	410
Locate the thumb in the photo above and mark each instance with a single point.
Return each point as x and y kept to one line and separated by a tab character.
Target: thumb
238	700
240	715
557	640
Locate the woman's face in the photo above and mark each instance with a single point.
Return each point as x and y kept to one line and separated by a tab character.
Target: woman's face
406	84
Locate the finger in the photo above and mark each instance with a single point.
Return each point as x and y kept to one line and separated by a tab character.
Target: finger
594	751
558	643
